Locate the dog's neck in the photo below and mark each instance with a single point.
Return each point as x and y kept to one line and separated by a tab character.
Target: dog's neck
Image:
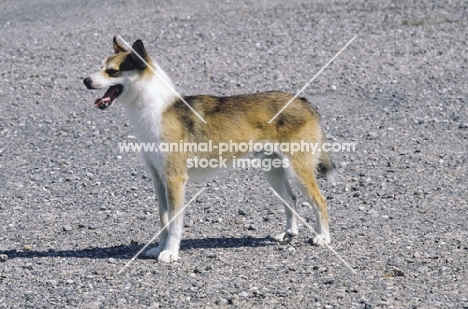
151	97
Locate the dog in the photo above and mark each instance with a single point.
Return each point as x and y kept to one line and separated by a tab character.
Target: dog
159	115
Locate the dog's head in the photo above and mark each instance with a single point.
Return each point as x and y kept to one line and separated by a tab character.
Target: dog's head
119	72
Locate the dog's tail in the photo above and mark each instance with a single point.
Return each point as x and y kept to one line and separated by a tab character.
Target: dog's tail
327	167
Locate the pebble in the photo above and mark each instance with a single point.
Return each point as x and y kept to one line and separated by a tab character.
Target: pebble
244	294
3	257
67	228
242	212
28	266
27	248
417	255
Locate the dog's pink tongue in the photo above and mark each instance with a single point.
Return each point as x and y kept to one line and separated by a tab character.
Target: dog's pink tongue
106	99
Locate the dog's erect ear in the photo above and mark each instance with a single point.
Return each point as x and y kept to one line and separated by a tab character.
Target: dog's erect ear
118	48
139	48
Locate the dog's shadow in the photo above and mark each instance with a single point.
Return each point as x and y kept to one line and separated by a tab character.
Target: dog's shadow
128	251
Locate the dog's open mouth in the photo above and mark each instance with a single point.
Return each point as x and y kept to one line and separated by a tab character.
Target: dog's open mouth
111	94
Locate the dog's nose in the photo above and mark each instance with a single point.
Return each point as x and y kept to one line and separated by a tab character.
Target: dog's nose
87	81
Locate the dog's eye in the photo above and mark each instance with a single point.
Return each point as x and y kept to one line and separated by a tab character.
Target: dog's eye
111	72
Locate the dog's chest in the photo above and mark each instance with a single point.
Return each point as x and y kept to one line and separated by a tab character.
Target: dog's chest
146	123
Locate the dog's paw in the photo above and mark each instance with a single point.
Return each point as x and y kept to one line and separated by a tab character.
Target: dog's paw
167	256
321	240
152	253
284	237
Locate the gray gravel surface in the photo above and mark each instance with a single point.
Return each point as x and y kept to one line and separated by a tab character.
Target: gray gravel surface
74	209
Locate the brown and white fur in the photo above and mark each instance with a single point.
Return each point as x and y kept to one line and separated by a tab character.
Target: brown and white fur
158	115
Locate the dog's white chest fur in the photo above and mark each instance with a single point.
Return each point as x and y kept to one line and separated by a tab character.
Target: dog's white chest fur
145	112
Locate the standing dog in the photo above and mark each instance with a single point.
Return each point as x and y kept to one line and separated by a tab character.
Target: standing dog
158	116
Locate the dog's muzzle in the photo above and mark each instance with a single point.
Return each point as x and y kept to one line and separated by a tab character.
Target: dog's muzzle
88	83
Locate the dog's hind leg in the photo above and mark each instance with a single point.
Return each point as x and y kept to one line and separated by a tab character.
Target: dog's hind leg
160	190
304	166
175	191
278	180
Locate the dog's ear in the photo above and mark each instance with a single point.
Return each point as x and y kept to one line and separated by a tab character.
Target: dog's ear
118	48
139	48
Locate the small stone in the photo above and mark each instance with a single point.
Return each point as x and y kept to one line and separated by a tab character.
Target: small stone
52	282
28	266
93	305
67	228
244	294
27	248
221	301
398	272
3	257
463	125
351	290
197	270
305	204
333	87
292	249
69	281
371	136
252	227
111	261
357	194
380	193
417	255
242	212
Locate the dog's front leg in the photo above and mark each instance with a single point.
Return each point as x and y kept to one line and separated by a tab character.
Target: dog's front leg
175	193
160	190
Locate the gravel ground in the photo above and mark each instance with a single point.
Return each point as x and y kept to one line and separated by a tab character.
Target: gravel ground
74	209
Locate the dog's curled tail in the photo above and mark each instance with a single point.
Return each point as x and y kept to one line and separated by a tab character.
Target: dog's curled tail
327	167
